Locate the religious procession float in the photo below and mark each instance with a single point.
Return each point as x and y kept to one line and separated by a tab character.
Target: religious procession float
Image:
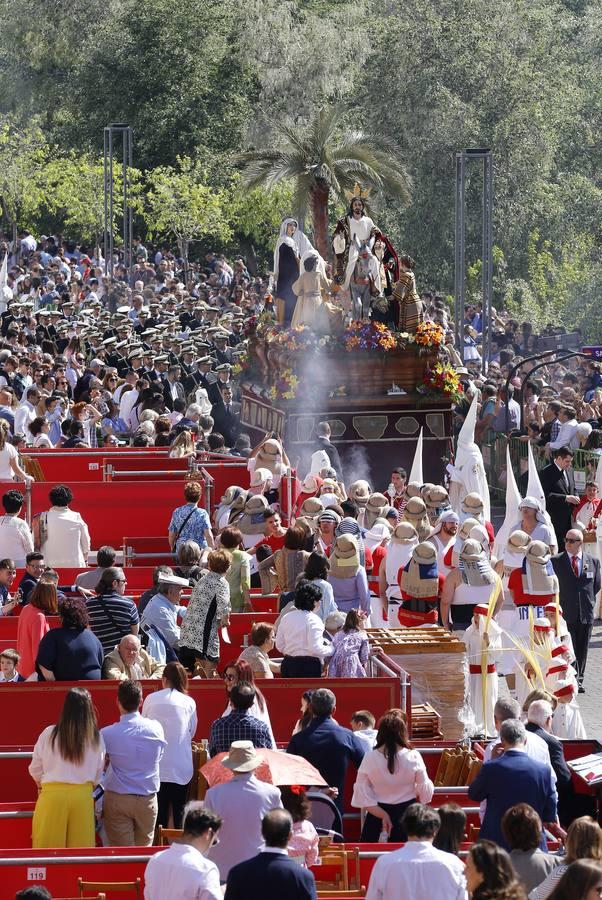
353	349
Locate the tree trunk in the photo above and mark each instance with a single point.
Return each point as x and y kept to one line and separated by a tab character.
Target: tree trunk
319	212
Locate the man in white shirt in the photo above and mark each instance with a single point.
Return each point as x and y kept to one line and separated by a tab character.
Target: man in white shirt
241	803
26	413
418	869
183	871
567	436
16	538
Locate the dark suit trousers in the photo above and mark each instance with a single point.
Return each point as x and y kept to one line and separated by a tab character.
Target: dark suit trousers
580	635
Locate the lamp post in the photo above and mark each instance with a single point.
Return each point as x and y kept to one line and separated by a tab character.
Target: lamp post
112	134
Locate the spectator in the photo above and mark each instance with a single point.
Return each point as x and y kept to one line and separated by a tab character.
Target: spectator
71	652
176	712
68	759
10	470
306	713
241	804
34	567
505	419
160	619
390	778
326	745
539	722
452	830
189	522
272	874
418	869
558	483
238	575
182	869
33	625
583	841
316	571
130	662
304	841
362	725
9	660
567	433
189	557
511	779
300	635
148	595
135	746
489	874
16	538
290	560
256	654
521	827
351	649
112	615
8	571
38	892
239	725
347	575
208	610
26	411
105	558
581	881
61	534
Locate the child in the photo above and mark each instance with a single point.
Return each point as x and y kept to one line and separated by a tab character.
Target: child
351	648
304	841
477	642
362	723
9	660
567	721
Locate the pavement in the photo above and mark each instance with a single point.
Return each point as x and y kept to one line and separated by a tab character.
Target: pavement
590	703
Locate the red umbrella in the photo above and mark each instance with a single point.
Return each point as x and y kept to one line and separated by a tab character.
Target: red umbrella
276	768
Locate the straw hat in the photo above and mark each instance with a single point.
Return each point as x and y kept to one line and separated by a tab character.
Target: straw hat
518	540
404	533
310	484
538	552
415	508
425	554
465	528
255	504
471	551
260	476
436	496
472	504
232	494
242	757
413	489
311	507
359	492
425	488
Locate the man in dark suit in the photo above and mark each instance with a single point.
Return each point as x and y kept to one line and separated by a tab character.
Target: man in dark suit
558	483
514	778
226	417
172	387
323	442
579	582
539	722
272	874
326	745
222	379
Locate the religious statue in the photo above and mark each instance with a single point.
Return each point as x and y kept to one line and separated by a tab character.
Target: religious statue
365	282
410	306
308	289
351	231
290	247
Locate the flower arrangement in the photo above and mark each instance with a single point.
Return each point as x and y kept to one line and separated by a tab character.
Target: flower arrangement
368	336
302	338
242	363
441	380
285	386
428	335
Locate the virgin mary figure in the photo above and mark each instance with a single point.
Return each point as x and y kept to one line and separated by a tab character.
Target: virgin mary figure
292	244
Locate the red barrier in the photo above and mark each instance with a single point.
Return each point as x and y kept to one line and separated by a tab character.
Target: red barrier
144	467
114	509
58	465
31	706
239	627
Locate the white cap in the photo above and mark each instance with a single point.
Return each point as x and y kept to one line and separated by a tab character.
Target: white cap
173	580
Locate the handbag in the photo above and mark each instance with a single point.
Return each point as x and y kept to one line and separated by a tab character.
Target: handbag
179	532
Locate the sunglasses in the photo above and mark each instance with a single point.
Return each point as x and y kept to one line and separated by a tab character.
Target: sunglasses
229	677
572	541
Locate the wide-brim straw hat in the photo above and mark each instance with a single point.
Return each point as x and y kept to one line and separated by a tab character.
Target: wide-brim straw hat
472	503
415	507
242	757
425	554
359	491
405	533
471	551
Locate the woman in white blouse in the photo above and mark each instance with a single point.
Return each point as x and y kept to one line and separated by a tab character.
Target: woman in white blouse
68	760
300	635
176	712
389	779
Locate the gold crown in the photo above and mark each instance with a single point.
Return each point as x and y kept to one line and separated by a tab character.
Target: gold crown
358	193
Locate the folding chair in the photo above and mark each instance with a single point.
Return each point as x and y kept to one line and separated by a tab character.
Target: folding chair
110	887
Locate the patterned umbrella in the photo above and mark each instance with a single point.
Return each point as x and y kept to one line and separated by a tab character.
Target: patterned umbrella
276	768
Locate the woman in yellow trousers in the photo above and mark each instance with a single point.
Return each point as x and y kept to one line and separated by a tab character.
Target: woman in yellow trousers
68	760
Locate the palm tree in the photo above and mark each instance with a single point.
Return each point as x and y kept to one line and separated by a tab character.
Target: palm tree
325	160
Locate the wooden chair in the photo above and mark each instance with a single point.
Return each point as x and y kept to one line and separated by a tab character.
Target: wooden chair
167	835
110	887
343	860
473	833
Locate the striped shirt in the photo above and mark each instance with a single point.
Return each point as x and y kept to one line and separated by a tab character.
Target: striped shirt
111	618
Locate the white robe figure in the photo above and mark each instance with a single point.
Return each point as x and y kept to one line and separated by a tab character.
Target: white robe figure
416	470
359	232
567	722
202	399
297	242
474	642
534	489
468	473
513	499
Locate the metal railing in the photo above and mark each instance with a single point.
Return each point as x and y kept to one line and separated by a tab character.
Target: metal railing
392	670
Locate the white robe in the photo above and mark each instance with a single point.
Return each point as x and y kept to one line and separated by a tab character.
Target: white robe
567	722
359	231
473	640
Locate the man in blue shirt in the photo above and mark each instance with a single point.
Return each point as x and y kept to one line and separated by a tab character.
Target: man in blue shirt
135	746
326	745
239	725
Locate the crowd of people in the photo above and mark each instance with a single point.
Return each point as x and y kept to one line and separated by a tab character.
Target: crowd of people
148	359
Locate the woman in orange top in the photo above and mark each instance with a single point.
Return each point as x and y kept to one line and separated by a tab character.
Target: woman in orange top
33	625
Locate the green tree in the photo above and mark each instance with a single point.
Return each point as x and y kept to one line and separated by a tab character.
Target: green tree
180	204
23	152
325	160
